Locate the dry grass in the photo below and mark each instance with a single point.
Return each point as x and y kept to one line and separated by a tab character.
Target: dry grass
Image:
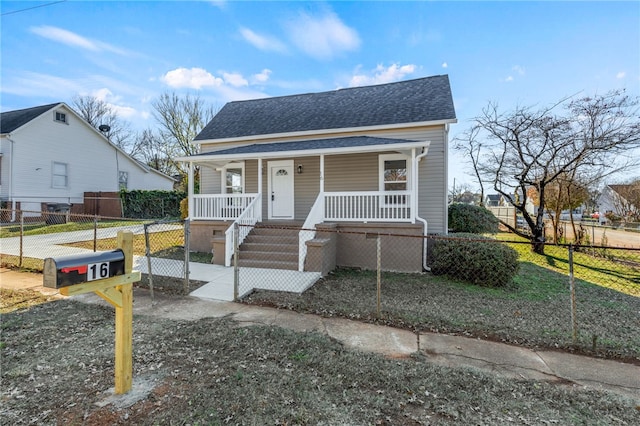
535	311
58	361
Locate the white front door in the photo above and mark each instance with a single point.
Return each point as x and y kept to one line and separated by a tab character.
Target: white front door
281	189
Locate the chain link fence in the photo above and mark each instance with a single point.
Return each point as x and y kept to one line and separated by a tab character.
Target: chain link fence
499	288
161	248
287	258
167	255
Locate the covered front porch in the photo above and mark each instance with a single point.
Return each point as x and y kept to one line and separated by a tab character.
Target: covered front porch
359	180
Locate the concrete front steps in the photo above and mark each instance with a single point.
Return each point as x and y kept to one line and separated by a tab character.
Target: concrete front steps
271	246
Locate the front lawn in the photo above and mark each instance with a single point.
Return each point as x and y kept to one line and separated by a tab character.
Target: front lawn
535	311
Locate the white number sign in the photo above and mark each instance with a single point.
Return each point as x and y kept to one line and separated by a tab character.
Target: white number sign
98	271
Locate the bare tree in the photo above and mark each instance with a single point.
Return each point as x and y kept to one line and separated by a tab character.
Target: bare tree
180	120
147	149
469	145
534	148
462	193
565	193
97	112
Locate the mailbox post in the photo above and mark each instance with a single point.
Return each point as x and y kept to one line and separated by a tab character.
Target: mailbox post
110	275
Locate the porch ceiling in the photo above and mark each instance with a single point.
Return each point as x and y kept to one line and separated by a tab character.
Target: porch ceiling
309	147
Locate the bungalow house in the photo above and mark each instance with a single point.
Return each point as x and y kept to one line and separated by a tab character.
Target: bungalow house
50	155
370	160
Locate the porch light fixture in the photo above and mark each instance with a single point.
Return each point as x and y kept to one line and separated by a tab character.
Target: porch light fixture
299	169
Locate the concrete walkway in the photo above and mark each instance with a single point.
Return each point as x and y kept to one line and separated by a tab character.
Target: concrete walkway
219	279
452	351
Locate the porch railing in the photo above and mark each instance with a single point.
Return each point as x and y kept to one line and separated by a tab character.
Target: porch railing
220	206
372	206
249	217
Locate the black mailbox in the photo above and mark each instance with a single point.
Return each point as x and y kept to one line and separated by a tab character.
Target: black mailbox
75	269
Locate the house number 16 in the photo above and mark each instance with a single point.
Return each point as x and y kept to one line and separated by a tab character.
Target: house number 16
98	271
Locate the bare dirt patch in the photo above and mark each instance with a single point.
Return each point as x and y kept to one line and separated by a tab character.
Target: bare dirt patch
57	367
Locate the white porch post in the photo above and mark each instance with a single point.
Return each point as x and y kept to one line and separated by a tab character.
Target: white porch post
322	174
260	187
190	189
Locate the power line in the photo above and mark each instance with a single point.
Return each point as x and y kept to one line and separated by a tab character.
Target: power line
32	7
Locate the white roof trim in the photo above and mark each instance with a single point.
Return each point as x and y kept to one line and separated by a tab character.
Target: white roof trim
203	158
317	132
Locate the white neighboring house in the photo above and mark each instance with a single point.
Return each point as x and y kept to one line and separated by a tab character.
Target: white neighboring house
610	201
49	154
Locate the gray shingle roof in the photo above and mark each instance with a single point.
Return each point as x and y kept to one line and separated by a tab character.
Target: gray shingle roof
411	101
313	144
11	120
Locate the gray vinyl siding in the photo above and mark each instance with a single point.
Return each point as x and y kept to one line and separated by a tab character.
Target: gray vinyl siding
306	185
251	176
210	180
432	184
354	172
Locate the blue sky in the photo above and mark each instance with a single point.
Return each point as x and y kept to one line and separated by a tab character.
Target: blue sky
128	53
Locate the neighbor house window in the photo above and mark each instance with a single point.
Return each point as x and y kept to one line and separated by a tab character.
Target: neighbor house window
60	175
60	117
233	178
394	170
123	180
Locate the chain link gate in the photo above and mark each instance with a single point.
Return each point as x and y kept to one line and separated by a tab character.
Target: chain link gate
167	256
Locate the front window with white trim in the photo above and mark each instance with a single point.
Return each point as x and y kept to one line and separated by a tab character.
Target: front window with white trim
59	175
394	172
233	178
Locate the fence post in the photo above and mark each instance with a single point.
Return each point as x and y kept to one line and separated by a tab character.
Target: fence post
95	233
378	269
148	253
20	213
236	278
187	232
572	289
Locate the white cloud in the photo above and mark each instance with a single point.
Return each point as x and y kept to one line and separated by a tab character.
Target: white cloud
228	87
322	37
445	65
235	79
64	36
382	75
194	78
261	77
518	69
621	75
266	43
106	96
102	94
218	3
38	85
72	39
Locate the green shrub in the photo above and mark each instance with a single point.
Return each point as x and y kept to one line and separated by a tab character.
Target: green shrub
155	204
472	219
475	259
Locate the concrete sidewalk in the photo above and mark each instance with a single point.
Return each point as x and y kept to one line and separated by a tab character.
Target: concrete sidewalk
452	351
